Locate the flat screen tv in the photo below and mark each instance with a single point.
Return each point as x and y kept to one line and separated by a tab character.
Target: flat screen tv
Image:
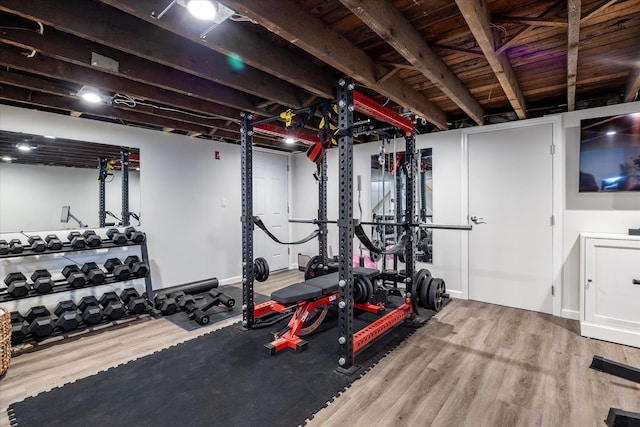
610	153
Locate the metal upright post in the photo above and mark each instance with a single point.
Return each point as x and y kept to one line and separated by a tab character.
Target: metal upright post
410	210
102	176
246	132
345	226
322	210
125	187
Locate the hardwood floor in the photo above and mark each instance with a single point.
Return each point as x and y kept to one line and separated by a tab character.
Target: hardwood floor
473	364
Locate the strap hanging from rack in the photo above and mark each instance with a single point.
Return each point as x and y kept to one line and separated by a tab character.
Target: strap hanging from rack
257	221
362	236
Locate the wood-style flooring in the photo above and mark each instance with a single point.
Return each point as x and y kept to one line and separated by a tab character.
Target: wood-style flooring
473	364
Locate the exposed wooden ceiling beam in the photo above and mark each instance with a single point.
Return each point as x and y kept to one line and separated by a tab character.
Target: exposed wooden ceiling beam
633	84
478	17
538	22
573	42
75	50
60	70
387	21
287	19
597	9
122	31
232	38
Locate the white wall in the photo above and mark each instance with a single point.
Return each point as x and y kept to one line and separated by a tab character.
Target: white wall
32	196
190	235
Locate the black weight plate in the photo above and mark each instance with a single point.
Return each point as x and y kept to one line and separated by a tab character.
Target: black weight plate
424	293
415	291
435	297
314	268
367	288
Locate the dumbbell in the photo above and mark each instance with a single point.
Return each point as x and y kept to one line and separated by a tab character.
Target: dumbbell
137	267
92	239
19	328
166	305
37	244
119	270
116	236
15	246
186	303
223	298
90	309
94	274
76	240
4	247
17	285
41	324
134	302
53	242
68	316
134	235
74	276
42	282
113	308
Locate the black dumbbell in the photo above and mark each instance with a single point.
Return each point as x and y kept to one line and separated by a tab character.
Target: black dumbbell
113	308
119	270
16	317
19	332
187	303
17	285
42	282
137	267
116	236
91	311
134	235
94	274
92	239
15	246
68	316
53	242
74	276
223	298
76	240
37	244
35	312
134	302
4	247
42	327
166	305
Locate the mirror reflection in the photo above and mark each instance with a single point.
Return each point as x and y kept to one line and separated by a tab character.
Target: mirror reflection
387	194
46	180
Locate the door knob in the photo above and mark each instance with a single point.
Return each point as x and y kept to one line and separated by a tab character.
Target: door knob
477	220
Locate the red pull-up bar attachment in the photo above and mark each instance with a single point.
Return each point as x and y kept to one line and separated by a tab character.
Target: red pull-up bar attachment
374	109
275	130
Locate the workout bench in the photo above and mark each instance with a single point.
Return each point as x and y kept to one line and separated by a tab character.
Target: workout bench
310	301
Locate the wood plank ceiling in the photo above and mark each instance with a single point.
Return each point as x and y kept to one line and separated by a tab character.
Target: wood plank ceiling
453	63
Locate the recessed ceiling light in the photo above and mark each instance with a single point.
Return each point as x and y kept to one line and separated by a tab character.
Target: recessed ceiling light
203	9
6	158
49	136
90	94
289	140
611	132
24	147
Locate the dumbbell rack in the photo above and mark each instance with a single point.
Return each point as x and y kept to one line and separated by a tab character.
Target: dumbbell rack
62	285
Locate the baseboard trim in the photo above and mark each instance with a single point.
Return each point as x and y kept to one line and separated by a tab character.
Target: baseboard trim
570	314
230	280
455	293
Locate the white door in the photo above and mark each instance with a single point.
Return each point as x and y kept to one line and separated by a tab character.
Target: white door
270	189
510	190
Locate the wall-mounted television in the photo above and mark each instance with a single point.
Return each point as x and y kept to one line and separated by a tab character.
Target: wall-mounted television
610	153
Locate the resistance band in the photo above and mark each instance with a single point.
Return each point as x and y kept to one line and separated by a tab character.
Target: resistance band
362	236
257	221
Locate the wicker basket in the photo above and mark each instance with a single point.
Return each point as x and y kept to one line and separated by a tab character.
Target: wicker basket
5	340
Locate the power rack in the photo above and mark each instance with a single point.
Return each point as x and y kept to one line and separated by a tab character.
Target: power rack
348	100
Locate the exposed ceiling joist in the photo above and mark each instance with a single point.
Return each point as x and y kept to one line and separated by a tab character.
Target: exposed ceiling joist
315	37
573	42
538	22
478	17
633	84
597	9
393	27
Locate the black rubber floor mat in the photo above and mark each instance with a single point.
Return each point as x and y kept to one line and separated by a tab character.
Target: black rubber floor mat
216	313
223	378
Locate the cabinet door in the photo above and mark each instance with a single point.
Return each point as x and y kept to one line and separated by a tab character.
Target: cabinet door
611	297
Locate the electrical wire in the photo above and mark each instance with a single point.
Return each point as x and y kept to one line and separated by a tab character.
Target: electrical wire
132	102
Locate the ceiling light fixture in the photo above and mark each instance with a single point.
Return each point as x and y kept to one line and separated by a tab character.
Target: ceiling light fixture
92	95
24	147
203	9
611	132
7	158
289	140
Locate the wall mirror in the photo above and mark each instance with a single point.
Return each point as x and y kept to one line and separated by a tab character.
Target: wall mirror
387	196
45	180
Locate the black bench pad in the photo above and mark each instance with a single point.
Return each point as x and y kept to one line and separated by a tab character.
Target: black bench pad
296	292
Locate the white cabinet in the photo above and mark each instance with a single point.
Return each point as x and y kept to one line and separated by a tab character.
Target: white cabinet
610	287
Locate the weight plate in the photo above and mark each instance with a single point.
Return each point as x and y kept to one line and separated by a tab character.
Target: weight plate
424	292
435	294
418	279
363	289
375	257
313	320
314	268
